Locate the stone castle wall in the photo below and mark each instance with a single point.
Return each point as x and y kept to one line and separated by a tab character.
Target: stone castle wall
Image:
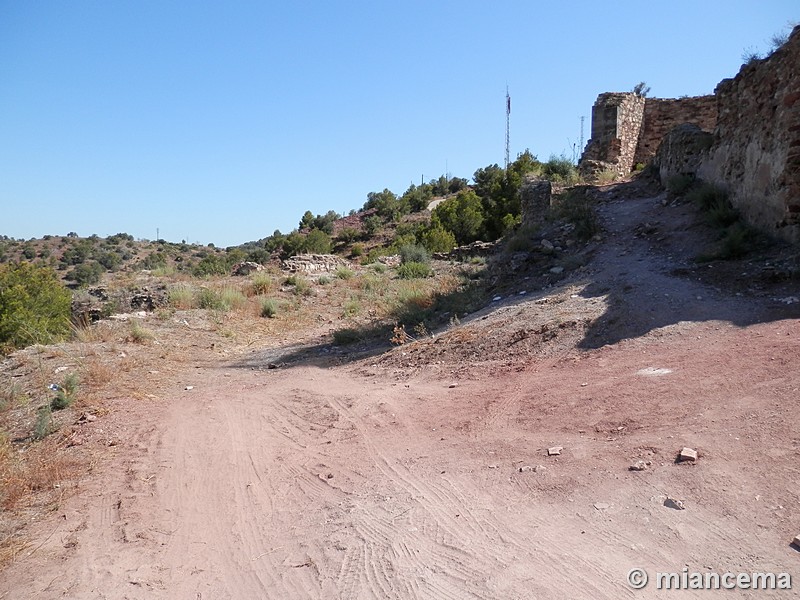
661	115
616	125
753	153
756	147
627	128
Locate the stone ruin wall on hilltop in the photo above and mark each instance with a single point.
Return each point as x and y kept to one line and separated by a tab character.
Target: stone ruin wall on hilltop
755	153
746	140
627	128
663	114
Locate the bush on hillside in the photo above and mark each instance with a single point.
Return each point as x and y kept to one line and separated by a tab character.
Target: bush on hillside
34	306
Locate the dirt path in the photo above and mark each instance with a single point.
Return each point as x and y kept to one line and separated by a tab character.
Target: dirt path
349	483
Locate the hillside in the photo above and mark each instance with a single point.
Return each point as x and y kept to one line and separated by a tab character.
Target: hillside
214	452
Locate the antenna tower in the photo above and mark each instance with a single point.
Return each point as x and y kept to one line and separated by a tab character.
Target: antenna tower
508	127
581	148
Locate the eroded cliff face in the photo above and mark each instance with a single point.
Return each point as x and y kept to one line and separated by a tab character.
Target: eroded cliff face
755	153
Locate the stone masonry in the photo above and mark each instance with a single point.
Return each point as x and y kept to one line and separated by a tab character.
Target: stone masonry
627	128
753	153
616	124
756	148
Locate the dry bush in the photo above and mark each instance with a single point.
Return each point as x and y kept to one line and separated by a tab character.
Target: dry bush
139	334
97	373
39	469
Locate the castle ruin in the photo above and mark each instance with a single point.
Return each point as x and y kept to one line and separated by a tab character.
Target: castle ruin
745	138
627	128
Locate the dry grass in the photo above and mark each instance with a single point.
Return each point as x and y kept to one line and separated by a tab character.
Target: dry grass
97	373
39	471
110	366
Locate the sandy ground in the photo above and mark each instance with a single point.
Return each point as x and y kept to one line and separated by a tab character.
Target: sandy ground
424	473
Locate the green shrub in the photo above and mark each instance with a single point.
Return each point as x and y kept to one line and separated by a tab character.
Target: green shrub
302	287
44	423
357	250
414	253
462	215
34	306
560	169
379	267
262	283
606	176
722	214
225	299
736	242
344	273
438	239
522	240
352	307
370	283
414	270
88	273
324	280
317	242
70	384
269	308
713	201
348	235
231	298
139	334
60	401
213	264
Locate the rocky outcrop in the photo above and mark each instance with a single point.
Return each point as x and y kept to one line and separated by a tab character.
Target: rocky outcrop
99	302
313	263
245	268
464	252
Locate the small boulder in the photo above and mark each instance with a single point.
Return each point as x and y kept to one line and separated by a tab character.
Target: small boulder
687	455
554	451
639	465
674	504
246	267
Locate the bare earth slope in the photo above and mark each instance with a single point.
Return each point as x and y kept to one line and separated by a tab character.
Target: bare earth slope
382	480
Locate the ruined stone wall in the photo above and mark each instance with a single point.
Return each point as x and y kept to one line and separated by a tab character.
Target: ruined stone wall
661	115
616	124
756	148
627	128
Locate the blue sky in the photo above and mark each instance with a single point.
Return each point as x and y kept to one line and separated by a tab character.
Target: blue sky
223	121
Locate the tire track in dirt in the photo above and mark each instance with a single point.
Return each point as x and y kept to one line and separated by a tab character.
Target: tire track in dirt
461	550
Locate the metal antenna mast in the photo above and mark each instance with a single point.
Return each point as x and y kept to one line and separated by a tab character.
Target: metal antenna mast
508	127
581	148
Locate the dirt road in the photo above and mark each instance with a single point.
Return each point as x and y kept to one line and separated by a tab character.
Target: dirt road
355	482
